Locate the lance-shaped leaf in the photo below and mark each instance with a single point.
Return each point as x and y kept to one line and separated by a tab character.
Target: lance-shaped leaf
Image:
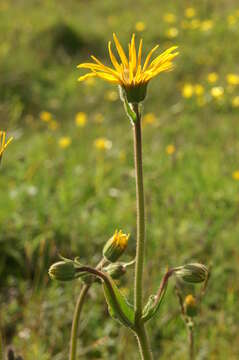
154	302
118	306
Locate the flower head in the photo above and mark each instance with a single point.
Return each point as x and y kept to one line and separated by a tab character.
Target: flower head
115	246
130	73
3	143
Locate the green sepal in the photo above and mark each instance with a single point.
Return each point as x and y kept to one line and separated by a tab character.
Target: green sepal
118	306
153	305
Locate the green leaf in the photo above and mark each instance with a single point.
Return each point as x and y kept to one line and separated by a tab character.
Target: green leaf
153	305
118	306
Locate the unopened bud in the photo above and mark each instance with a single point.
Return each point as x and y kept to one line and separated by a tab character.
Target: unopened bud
115	270
63	271
192	273
190	305
115	246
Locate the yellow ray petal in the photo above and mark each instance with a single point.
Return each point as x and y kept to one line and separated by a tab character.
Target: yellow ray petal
113	58
107	77
120	51
140	53
148	57
133	53
87	76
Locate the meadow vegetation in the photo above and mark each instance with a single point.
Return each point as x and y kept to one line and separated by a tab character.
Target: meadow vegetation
67	180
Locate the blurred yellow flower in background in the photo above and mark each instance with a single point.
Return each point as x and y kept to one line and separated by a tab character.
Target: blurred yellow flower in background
212	77
199	89
170	149
45	116
169	18
111	95
81	119
172	33
217	92
102	144
235	175
190	12
187	90
235	101
233	79
64	142
149	118
231	19
140	26
206	25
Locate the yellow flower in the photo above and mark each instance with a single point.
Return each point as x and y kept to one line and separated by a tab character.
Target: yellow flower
190	12
172	32
170	149
103	144
115	246
111	95
195	24
64	142
131	73
233	79
149	118
206	25
217	92
187	90
231	19
235	101
235	175
80	119
45	116
169	18
53	125
199	89
212	77
140	26
190	300
3	143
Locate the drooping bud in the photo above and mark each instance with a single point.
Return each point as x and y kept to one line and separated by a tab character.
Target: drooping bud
192	273
115	246
190	305
115	270
63	271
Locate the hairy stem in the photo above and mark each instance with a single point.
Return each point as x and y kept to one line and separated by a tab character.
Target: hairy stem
143	342
191	342
76	317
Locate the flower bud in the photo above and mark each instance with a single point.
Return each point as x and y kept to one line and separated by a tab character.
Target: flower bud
63	271
190	305
115	270
192	273
115	246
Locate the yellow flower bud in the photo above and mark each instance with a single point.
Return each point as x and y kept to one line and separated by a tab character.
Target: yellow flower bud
115	246
190	305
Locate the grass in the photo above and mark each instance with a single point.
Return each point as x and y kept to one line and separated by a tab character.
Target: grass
71	200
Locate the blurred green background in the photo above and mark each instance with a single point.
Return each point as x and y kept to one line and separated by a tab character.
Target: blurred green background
67	180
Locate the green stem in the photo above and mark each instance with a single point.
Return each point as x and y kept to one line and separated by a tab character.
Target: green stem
139	263
191	342
76	318
77	313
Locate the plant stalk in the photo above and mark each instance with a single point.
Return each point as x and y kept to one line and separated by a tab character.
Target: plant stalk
191	342
139	263
77	313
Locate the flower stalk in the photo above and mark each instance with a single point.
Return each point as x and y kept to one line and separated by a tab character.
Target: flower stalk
143	341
